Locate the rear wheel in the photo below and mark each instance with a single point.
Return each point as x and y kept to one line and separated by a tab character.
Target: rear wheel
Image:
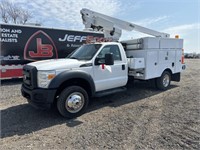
164	81
72	101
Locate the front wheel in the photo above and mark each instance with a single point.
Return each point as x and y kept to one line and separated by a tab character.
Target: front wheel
163	82
72	101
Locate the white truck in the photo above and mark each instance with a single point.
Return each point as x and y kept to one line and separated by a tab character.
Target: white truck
102	68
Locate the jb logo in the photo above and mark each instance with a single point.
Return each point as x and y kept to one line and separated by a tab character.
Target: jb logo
43	50
40	46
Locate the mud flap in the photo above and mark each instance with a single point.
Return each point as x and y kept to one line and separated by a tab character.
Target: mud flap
176	77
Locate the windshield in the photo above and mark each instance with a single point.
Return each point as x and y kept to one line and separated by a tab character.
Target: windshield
85	52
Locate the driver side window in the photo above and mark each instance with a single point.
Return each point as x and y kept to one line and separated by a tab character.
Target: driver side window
114	49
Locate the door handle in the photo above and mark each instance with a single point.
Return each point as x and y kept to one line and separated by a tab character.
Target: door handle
123	67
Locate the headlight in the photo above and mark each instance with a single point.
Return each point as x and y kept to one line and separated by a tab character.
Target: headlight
44	78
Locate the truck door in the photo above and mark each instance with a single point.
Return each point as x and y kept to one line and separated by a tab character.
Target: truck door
112	76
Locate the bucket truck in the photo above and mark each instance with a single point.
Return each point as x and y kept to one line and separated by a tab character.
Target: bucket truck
102	68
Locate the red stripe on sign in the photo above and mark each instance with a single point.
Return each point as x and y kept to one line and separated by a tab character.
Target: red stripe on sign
11	73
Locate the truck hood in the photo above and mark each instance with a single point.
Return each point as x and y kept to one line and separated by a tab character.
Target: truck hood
56	64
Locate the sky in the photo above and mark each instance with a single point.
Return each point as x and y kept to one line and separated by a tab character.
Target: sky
175	17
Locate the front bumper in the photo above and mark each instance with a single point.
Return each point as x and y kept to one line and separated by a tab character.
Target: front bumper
39	98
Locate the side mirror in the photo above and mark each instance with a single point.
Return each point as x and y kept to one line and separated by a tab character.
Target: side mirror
99	61
109	59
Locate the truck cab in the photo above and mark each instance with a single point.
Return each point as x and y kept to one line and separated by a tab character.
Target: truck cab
91	70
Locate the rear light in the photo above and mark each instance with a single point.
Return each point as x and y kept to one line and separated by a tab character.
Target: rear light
182	57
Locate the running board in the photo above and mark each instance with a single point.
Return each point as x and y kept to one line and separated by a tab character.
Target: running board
111	91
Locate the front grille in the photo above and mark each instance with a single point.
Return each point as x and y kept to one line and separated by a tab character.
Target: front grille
27	77
30	76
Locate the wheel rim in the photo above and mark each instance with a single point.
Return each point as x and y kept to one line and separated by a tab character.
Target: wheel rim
166	80
74	102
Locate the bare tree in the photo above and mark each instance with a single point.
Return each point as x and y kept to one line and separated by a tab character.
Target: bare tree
25	15
13	13
4	13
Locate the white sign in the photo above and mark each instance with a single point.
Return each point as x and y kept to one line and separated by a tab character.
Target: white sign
9	35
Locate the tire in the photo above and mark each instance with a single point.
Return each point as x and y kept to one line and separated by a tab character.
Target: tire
164	81
72	102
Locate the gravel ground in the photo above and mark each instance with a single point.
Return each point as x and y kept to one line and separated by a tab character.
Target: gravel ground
140	118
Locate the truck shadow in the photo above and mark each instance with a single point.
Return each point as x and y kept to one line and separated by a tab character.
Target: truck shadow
135	92
23	119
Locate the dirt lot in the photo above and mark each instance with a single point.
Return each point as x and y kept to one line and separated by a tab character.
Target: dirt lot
140	118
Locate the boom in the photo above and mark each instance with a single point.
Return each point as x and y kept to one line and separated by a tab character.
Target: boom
112	26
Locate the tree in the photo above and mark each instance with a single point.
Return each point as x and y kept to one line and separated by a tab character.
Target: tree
25	15
4	13
11	13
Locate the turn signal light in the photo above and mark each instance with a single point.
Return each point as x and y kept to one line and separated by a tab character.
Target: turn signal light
51	76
